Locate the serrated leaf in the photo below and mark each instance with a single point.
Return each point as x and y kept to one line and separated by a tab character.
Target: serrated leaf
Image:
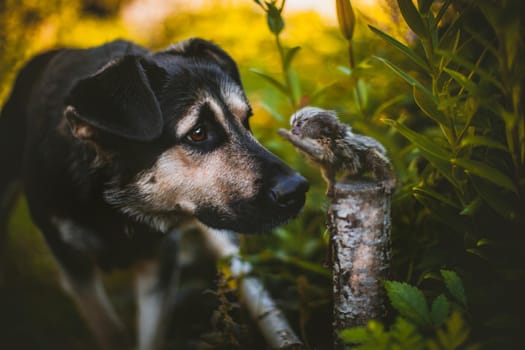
487	172
439	310
407	77
355	335
428	106
412	17
454	336
420	61
409	301
290	55
454	286
277	84
406	336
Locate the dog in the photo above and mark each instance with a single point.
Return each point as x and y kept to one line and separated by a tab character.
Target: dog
116	146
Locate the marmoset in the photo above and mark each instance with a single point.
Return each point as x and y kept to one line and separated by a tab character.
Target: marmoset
335	148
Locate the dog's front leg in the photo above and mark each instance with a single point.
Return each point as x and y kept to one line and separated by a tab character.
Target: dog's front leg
96	309
156	284
82	281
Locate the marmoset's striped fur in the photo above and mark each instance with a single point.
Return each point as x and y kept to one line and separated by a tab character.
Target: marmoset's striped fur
335	148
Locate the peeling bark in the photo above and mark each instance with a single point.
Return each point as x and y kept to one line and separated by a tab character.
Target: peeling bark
359	223
261	307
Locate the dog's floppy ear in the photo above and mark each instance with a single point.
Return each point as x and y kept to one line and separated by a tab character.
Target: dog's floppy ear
205	50
118	100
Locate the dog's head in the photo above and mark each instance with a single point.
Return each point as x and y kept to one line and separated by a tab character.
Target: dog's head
171	131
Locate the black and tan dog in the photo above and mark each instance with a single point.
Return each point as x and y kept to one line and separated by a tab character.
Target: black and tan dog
115	146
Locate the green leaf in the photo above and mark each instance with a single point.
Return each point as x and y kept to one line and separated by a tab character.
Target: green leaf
484	74
295	85
487	172
429	192
421	141
442	11
277	84
388	103
273	112
480	141
363	92
472	207
454	286
454	336
289	56
409	79
412	17
428	106
320	92
409	301
356	335
443	166
498	201
438	156
439	310
405	336
403	48
462	80
344	70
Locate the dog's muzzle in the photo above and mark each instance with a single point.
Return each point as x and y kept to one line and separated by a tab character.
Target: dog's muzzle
289	192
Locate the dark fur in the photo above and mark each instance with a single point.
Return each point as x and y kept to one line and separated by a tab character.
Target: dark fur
84	130
335	148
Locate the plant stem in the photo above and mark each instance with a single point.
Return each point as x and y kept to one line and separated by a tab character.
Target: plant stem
355	80
286	73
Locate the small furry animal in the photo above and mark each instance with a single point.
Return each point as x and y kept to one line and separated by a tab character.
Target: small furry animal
331	144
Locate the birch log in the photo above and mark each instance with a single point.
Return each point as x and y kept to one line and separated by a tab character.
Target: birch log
261	307
359	223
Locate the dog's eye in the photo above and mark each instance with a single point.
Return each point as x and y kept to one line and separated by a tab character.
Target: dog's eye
198	134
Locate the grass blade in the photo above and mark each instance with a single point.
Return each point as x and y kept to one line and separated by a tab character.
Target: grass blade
403	48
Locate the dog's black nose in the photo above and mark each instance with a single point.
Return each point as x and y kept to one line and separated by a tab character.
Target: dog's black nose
289	191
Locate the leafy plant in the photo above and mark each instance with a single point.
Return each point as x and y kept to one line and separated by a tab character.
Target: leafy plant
418	326
467	146
290	86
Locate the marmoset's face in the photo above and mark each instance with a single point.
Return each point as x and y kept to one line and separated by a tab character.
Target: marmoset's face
314	123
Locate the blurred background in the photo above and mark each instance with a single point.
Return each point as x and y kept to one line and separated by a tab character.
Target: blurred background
404	80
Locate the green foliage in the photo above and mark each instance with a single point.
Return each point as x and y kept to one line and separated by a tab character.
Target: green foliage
409	302
448	106
455	286
467	161
405	335
417	326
